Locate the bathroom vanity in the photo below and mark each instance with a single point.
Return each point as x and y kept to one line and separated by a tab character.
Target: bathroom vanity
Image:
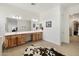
19	31
19	38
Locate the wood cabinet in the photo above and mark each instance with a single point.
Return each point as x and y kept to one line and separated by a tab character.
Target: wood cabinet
40	36
5	44
10	41
34	37
37	36
22	39
19	39
14	40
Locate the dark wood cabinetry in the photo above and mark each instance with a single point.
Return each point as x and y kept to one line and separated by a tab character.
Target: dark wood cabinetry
19	39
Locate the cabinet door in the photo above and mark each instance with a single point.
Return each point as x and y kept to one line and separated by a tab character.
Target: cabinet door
13	40
37	36
19	41
6	42
9	41
40	36
34	37
24	37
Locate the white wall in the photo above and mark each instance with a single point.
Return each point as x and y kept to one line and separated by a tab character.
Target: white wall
1	44
64	25
2	31
52	34
60	30
66	28
8	11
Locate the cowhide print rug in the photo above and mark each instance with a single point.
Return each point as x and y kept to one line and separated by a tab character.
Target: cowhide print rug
41	51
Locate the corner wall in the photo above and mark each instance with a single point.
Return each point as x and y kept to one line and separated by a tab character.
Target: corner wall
52	34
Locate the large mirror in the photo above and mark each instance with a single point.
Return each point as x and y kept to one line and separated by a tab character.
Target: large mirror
20	25
17	25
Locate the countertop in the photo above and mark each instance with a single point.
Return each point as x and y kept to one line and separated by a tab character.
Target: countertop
15	33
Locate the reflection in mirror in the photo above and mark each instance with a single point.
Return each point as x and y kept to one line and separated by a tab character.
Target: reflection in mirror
24	25
17	25
20	25
11	25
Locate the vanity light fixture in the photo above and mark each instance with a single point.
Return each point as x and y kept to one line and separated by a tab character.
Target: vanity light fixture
35	20
13	17
16	17
19	17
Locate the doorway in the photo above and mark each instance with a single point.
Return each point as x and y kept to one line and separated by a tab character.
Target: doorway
74	28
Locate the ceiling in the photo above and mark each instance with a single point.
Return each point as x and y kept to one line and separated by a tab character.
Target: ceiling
40	7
